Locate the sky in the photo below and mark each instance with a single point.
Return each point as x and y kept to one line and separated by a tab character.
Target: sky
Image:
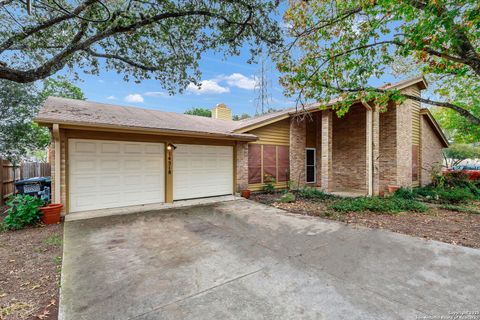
230	81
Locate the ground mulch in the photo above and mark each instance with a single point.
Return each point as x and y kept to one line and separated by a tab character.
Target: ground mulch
452	227
30	265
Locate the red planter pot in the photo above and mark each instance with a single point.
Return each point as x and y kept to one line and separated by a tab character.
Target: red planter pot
51	213
246	194
392	189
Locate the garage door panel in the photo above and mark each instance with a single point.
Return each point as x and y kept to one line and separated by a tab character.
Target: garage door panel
115	174
83	147
202	171
110	148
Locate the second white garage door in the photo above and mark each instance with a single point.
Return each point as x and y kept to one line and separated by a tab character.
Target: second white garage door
108	174
202	171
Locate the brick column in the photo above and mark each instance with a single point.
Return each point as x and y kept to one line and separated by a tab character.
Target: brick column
326	160
376	150
297	151
241	166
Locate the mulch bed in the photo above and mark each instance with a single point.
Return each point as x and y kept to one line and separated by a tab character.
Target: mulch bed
452	227
30	264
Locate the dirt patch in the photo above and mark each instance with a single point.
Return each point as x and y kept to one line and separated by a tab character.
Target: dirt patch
30	272
452	227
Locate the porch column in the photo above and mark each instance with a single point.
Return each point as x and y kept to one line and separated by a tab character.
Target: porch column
326	161
372	149
56	164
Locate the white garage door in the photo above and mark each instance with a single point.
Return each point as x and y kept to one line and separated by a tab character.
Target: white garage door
202	171
108	174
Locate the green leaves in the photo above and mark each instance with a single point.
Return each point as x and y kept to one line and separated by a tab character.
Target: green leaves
338	47
22	211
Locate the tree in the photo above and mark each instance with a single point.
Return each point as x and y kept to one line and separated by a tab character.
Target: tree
242	116
338	46
140	39
202	112
456	153
19	103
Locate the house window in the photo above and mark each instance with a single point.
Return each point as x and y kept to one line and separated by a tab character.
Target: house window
310	165
267	162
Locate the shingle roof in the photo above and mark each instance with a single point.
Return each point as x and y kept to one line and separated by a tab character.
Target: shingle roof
87	113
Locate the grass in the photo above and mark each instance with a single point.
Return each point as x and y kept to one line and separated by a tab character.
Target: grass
53	240
377	204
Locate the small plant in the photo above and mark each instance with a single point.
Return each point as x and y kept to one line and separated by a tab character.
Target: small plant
287	198
53	240
269	185
458	208
377	204
22	210
313	193
405	193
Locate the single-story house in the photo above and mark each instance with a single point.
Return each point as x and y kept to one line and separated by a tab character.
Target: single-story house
106	156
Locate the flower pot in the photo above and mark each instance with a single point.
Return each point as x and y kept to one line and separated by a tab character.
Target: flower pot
392	189
246	194
51	213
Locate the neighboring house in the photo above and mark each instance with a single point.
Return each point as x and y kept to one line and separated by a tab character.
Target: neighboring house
106	156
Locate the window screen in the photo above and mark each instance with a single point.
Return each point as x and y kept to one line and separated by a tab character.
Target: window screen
275	164
310	165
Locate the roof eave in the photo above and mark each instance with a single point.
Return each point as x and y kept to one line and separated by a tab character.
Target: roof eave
436	126
144	130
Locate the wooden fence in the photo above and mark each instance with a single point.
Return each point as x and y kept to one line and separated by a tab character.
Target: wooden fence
25	171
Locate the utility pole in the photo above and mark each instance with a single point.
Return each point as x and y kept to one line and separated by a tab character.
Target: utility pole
262	99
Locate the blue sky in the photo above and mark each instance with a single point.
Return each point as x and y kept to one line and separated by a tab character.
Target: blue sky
229	80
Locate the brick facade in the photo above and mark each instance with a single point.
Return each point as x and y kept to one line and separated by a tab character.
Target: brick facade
404	140
431	152
388	148
297	151
349	150
242	166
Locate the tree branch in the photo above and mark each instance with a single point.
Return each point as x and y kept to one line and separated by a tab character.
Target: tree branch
57	62
123	59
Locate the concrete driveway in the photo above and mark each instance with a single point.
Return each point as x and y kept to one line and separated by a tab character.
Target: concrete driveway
244	260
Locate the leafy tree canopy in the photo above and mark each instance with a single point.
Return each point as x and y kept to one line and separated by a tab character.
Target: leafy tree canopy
242	116
456	153
338	46
19	103
203	112
163	40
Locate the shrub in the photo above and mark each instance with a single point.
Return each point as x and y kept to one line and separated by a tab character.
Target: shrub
405	193
377	204
313	193
454	195
287	198
22	210
269	185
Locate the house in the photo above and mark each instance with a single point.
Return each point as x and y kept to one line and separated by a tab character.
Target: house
106	156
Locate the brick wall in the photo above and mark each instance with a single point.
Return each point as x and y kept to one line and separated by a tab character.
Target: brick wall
349	150
242	165
431	152
388	148
404	139
297	151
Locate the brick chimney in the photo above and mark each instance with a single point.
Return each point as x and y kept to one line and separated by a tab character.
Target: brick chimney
222	112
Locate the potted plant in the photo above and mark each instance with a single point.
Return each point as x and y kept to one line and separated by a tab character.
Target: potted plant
392	189
51	213
246	193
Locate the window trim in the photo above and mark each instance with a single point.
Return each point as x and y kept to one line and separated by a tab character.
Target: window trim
314	165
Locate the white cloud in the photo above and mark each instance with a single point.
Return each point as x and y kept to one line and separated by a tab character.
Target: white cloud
240	81
134	97
207	87
101	81
155	94
111	98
